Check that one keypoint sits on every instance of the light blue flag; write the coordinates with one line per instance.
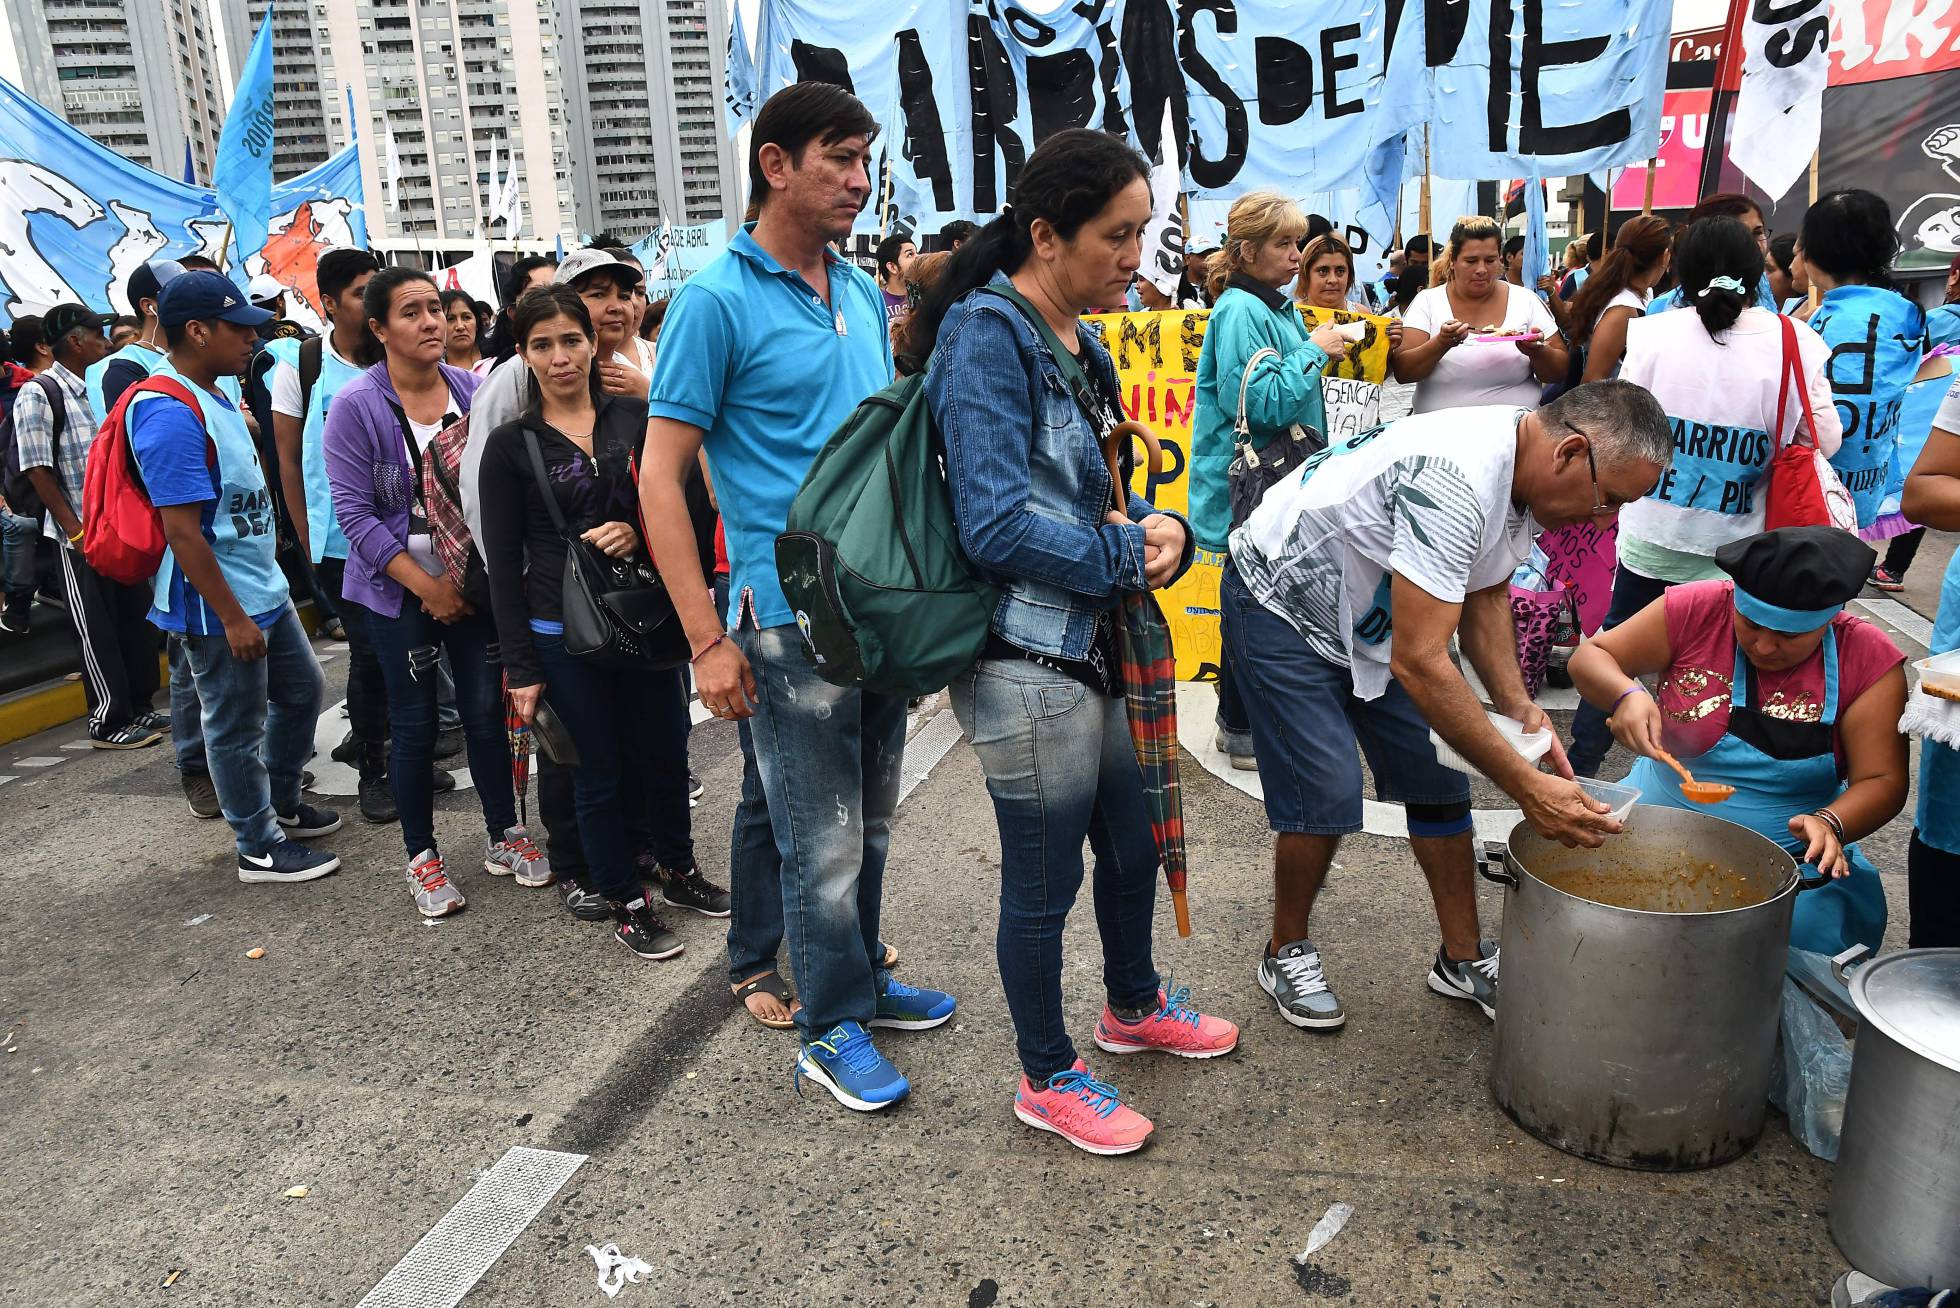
(1537, 249)
(740, 87)
(243, 177)
(190, 168)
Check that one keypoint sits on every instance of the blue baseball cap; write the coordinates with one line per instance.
(200, 295)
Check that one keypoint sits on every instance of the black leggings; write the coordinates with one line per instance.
(1932, 896)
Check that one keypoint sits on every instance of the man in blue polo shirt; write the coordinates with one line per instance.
(219, 589)
(763, 354)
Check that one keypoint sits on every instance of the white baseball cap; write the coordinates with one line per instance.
(265, 288)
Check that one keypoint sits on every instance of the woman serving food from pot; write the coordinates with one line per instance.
(1767, 685)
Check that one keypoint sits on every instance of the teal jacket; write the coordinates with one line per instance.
(1248, 317)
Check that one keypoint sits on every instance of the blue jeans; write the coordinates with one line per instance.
(829, 760)
(186, 716)
(630, 727)
(755, 869)
(1061, 768)
(407, 648)
(258, 725)
(1591, 737)
(19, 539)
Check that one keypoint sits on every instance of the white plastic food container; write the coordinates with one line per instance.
(1622, 798)
(1534, 745)
(1939, 676)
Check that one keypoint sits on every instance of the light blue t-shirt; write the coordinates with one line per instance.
(1765, 299)
(172, 454)
(148, 361)
(752, 355)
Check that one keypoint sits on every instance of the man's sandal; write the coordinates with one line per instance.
(769, 983)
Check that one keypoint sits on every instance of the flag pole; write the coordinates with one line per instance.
(1647, 202)
(1427, 232)
(1816, 296)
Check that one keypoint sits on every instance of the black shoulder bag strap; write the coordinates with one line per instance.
(311, 360)
(536, 452)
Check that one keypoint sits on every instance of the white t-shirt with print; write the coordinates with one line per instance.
(1471, 373)
(1428, 497)
(286, 390)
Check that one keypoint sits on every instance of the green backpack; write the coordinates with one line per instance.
(870, 556)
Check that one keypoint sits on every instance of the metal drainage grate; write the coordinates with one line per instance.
(470, 1237)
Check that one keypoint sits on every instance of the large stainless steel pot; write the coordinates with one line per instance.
(1895, 1201)
(1642, 1036)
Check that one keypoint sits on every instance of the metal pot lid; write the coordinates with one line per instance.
(1914, 997)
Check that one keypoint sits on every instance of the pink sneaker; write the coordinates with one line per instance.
(1175, 1028)
(1083, 1111)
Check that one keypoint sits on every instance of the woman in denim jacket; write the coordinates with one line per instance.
(1044, 705)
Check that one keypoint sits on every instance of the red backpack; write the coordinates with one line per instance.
(122, 533)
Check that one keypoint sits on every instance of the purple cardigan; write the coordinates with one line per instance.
(367, 467)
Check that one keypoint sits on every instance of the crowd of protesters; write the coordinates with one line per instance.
(448, 485)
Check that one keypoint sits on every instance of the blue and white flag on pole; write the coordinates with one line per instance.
(243, 176)
(1537, 249)
(739, 90)
(190, 166)
(76, 218)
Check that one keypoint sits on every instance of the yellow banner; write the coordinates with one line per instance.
(1156, 358)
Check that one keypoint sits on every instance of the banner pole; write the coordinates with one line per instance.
(1647, 203)
(1426, 230)
(1816, 296)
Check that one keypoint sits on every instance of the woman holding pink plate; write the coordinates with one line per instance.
(1440, 351)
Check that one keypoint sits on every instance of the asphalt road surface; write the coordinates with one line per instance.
(163, 1092)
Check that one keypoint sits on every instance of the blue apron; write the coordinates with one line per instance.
(1938, 815)
(1768, 793)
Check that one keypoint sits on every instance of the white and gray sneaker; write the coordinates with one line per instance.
(516, 856)
(1475, 980)
(429, 885)
(1299, 988)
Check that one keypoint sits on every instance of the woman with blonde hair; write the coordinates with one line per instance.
(1473, 338)
(1251, 315)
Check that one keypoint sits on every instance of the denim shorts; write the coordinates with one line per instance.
(1306, 724)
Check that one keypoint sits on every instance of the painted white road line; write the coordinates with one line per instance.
(469, 1238)
(1902, 619)
(1197, 702)
(925, 750)
(76, 746)
(5, 780)
(40, 761)
(338, 779)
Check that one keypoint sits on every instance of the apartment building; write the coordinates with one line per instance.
(140, 76)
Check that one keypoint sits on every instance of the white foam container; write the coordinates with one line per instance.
(1533, 745)
(1941, 671)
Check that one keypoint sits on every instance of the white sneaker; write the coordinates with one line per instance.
(429, 886)
(516, 856)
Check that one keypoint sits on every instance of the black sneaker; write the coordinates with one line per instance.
(641, 930)
(15, 623)
(694, 790)
(286, 861)
(201, 795)
(348, 751)
(129, 737)
(1474, 979)
(154, 719)
(377, 800)
(583, 904)
(687, 888)
(449, 743)
(306, 822)
(443, 781)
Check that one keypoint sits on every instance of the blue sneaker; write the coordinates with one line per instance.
(908, 1008)
(845, 1062)
(287, 861)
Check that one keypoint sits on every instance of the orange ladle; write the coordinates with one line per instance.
(1696, 792)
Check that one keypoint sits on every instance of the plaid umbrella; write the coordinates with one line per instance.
(520, 753)
(1150, 687)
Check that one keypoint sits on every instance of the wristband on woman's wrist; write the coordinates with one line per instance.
(709, 646)
(1831, 820)
(1621, 697)
(76, 539)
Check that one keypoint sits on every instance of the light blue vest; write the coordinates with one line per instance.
(240, 526)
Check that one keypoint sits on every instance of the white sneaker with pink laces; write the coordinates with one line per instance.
(1175, 1028)
(1083, 1111)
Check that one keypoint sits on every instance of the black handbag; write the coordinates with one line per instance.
(1253, 472)
(613, 609)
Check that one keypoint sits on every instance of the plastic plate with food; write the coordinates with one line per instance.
(1505, 335)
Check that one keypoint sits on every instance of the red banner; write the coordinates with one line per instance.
(1871, 40)
(1677, 178)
